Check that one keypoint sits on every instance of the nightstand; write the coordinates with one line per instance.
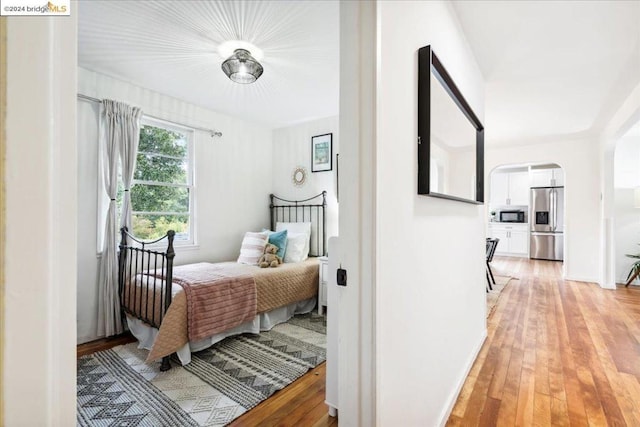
(322, 283)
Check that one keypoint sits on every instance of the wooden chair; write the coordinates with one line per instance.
(492, 244)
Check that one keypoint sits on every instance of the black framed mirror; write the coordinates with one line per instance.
(450, 136)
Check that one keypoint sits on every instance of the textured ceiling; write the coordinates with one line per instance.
(171, 47)
(552, 68)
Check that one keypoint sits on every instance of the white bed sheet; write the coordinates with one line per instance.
(146, 334)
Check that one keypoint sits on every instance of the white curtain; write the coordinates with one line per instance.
(120, 132)
(128, 155)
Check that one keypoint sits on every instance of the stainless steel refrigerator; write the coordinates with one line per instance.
(547, 223)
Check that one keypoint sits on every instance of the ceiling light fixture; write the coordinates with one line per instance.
(241, 67)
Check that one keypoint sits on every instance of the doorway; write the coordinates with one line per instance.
(626, 182)
(526, 210)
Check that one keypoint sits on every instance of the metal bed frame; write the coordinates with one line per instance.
(135, 257)
(304, 211)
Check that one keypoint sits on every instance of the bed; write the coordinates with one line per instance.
(187, 308)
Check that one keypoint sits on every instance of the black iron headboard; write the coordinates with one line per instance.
(308, 210)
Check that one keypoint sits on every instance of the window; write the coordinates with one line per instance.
(162, 189)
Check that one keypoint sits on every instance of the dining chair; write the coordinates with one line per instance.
(492, 244)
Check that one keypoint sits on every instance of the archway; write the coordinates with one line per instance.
(526, 210)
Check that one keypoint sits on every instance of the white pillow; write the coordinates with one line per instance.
(296, 228)
(252, 247)
(297, 244)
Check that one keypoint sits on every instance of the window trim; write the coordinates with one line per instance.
(189, 134)
(102, 201)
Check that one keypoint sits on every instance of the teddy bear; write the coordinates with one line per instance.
(270, 259)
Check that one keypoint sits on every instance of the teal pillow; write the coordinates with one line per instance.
(279, 239)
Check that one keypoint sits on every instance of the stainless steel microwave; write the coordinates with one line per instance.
(511, 216)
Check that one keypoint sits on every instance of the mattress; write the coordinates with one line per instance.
(277, 287)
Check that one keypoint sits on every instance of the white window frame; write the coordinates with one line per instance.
(189, 134)
(103, 201)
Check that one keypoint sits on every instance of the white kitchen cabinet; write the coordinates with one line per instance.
(558, 177)
(519, 188)
(550, 177)
(499, 191)
(519, 242)
(503, 239)
(514, 239)
(509, 188)
(322, 283)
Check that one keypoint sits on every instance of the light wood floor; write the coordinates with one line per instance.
(104, 344)
(557, 353)
(299, 404)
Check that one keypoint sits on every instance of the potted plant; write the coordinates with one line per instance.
(635, 269)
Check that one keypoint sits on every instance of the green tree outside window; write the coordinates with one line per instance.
(161, 192)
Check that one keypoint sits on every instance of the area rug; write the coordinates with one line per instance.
(116, 387)
(494, 295)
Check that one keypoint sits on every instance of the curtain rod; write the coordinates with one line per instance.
(212, 133)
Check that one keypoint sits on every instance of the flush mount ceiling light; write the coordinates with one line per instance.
(226, 49)
(241, 67)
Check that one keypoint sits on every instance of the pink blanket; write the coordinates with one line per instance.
(275, 287)
(217, 298)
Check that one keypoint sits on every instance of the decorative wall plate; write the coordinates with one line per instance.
(299, 176)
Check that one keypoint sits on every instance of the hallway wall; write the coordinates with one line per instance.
(430, 312)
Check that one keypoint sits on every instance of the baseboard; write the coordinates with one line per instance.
(624, 284)
(581, 279)
(623, 281)
(444, 417)
(86, 339)
(607, 285)
(507, 254)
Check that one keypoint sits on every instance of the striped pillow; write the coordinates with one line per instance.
(252, 247)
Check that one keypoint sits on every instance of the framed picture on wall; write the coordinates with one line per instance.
(321, 152)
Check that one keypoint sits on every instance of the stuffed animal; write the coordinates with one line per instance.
(270, 259)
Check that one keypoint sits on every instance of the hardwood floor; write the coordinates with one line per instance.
(299, 404)
(104, 344)
(557, 353)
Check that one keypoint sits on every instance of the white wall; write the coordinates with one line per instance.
(580, 161)
(87, 167)
(627, 216)
(627, 232)
(39, 360)
(233, 180)
(430, 311)
(292, 148)
(626, 173)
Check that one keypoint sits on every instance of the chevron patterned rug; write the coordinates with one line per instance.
(116, 387)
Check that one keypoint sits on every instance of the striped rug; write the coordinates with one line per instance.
(116, 387)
